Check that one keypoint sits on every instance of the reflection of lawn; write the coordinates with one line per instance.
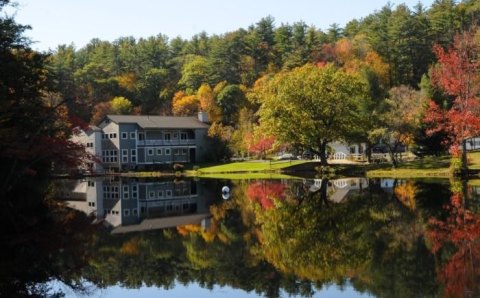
(249, 167)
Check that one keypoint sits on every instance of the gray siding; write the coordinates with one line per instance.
(201, 144)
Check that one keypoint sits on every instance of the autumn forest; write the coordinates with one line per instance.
(401, 76)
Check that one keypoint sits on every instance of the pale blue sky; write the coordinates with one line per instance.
(57, 22)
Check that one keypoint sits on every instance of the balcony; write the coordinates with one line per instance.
(166, 142)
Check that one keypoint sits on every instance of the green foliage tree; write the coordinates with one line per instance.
(230, 100)
(194, 72)
(310, 106)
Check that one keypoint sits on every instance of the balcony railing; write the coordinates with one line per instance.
(166, 142)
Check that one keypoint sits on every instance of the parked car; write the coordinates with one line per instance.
(286, 156)
(307, 155)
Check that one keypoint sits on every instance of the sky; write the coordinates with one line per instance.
(56, 22)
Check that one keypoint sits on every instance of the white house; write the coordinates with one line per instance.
(91, 138)
(344, 151)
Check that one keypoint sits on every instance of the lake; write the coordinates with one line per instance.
(349, 237)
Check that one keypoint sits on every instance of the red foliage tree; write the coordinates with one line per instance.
(458, 75)
(259, 146)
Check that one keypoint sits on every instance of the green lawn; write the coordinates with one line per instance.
(243, 176)
(432, 166)
(248, 167)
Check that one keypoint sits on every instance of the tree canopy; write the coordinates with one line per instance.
(312, 106)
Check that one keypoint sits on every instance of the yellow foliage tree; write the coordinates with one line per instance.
(127, 81)
(208, 104)
(121, 105)
(184, 105)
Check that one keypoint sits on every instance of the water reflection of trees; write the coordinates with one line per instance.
(42, 241)
(455, 240)
(268, 238)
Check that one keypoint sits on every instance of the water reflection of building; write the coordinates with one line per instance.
(128, 205)
(338, 189)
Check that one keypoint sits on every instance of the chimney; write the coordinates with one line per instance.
(203, 117)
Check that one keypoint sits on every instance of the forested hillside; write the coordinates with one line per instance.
(390, 50)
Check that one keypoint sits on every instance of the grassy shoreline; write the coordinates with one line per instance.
(428, 167)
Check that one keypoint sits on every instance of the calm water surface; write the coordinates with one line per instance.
(349, 237)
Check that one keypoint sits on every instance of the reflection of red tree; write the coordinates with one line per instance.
(461, 272)
(266, 192)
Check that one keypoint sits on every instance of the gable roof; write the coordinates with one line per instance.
(159, 121)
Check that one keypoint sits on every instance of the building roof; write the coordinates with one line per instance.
(159, 121)
(162, 223)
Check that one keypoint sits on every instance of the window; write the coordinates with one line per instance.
(151, 195)
(91, 204)
(126, 212)
(141, 136)
(124, 135)
(159, 151)
(110, 192)
(125, 192)
(133, 155)
(176, 151)
(113, 136)
(125, 155)
(109, 156)
(183, 136)
(168, 193)
(134, 191)
(132, 135)
(175, 135)
(160, 193)
(89, 145)
(149, 151)
(167, 136)
(184, 151)
(167, 151)
(134, 211)
(91, 183)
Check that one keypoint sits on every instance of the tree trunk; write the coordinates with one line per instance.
(393, 156)
(368, 152)
(464, 165)
(323, 153)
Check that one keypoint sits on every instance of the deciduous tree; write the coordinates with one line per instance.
(121, 105)
(310, 106)
(458, 75)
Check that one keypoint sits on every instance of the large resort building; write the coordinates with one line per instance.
(130, 142)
